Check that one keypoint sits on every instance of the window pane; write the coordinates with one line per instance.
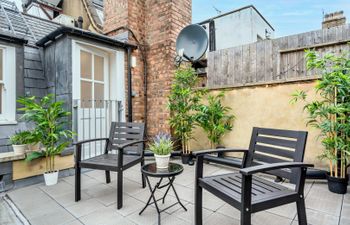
(98, 75)
(86, 94)
(85, 64)
(99, 95)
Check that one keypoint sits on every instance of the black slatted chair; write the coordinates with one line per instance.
(128, 141)
(273, 151)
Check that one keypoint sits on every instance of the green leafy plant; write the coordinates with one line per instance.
(215, 119)
(51, 124)
(331, 114)
(20, 138)
(182, 102)
(162, 144)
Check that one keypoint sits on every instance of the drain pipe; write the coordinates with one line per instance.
(129, 87)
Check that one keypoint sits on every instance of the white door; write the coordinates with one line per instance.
(98, 92)
(93, 104)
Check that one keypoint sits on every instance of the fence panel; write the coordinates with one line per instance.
(273, 60)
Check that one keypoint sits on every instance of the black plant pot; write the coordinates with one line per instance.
(185, 158)
(337, 185)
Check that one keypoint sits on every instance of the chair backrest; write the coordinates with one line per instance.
(123, 132)
(274, 146)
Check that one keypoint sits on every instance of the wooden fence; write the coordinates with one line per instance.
(274, 60)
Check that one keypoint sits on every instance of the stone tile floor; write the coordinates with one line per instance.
(55, 205)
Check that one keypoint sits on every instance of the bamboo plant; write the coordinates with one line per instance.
(331, 114)
(182, 102)
(51, 122)
(215, 119)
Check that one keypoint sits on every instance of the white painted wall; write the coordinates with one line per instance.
(239, 28)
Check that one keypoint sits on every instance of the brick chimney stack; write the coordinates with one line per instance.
(156, 24)
(333, 20)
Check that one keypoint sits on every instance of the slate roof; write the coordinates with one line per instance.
(96, 11)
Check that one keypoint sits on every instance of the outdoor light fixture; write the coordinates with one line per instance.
(133, 61)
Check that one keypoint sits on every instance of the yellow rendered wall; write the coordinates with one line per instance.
(266, 106)
(75, 9)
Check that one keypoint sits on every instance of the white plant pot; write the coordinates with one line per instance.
(51, 178)
(162, 161)
(19, 149)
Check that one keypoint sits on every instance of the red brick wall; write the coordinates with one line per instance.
(156, 23)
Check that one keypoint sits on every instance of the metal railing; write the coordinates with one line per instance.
(92, 119)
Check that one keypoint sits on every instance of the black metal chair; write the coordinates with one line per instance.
(273, 151)
(128, 140)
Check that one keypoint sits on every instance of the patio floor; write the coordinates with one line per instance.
(55, 205)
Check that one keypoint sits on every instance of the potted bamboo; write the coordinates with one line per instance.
(162, 147)
(215, 119)
(51, 122)
(182, 102)
(331, 114)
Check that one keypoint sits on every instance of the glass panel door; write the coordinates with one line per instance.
(94, 94)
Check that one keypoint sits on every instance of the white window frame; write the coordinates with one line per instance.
(8, 114)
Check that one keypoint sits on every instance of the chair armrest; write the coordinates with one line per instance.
(220, 150)
(90, 140)
(122, 146)
(274, 166)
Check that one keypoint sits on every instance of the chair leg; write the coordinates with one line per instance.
(142, 176)
(108, 176)
(301, 212)
(245, 218)
(77, 183)
(198, 205)
(120, 189)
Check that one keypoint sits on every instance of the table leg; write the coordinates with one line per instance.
(177, 197)
(152, 194)
(171, 180)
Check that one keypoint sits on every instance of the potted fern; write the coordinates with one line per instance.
(51, 122)
(162, 147)
(331, 114)
(182, 102)
(215, 119)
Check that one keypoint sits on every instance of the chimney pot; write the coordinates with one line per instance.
(333, 19)
(80, 22)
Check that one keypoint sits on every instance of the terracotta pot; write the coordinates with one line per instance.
(33, 147)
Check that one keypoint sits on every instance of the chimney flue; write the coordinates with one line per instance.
(80, 22)
(333, 19)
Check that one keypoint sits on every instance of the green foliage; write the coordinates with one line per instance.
(182, 102)
(214, 118)
(51, 122)
(331, 114)
(20, 138)
(162, 144)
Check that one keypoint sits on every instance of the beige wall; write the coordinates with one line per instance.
(75, 9)
(266, 106)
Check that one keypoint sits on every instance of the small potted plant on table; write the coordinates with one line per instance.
(331, 114)
(51, 124)
(162, 147)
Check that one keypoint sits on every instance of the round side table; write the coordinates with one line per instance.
(151, 170)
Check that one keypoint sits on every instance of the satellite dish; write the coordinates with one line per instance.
(192, 43)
